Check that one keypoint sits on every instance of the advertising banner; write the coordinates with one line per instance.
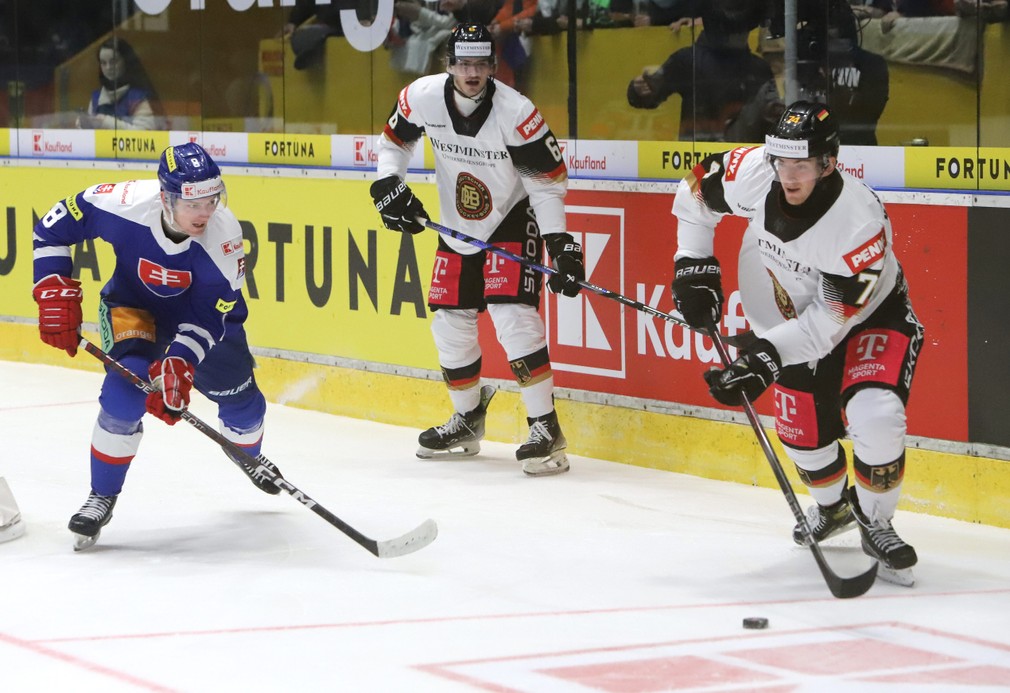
(324, 278)
(958, 168)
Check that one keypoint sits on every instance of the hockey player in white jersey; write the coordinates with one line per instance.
(826, 296)
(173, 308)
(501, 179)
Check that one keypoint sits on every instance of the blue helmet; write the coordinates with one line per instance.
(188, 172)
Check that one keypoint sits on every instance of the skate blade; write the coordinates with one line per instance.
(902, 577)
(457, 452)
(83, 542)
(556, 463)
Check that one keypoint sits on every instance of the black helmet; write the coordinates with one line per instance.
(806, 129)
(470, 41)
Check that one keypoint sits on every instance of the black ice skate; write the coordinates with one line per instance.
(460, 436)
(881, 542)
(826, 521)
(543, 454)
(262, 474)
(88, 522)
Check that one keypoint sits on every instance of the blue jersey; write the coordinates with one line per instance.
(192, 289)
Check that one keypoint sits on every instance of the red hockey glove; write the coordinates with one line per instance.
(59, 300)
(173, 379)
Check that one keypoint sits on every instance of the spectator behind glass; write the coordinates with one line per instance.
(512, 45)
(419, 31)
(715, 77)
(832, 68)
(552, 17)
(126, 99)
(308, 38)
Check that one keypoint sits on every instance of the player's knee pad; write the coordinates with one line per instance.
(455, 333)
(120, 399)
(876, 425)
(519, 327)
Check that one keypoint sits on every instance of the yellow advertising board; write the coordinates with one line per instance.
(674, 160)
(5, 142)
(143, 145)
(322, 275)
(290, 150)
(958, 168)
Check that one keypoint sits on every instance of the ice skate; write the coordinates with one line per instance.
(87, 523)
(826, 521)
(261, 474)
(543, 454)
(881, 542)
(460, 436)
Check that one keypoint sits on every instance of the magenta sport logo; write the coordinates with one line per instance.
(587, 334)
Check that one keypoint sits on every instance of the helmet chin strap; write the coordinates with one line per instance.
(476, 98)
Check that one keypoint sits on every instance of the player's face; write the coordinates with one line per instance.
(800, 176)
(470, 75)
(191, 216)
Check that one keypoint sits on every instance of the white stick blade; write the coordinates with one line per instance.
(410, 542)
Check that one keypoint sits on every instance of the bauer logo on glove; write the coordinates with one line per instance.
(397, 205)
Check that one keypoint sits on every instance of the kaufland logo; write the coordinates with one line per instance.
(364, 155)
(586, 334)
(44, 147)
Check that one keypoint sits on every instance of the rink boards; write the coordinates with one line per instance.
(339, 323)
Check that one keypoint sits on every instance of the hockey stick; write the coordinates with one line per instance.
(843, 588)
(620, 298)
(412, 541)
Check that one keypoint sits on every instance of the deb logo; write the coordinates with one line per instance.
(163, 281)
(363, 153)
(586, 334)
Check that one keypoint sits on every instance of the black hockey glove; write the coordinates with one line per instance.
(567, 257)
(397, 205)
(751, 374)
(697, 291)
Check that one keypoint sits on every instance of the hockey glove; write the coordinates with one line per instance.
(60, 317)
(568, 261)
(697, 291)
(397, 205)
(751, 374)
(172, 378)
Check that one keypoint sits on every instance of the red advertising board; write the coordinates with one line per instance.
(629, 238)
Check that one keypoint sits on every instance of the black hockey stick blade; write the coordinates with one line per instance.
(412, 541)
(840, 587)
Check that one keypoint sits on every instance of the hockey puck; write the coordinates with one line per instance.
(755, 622)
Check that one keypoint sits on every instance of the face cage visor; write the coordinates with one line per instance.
(205, 196)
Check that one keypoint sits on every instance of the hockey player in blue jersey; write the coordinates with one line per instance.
(173, 308)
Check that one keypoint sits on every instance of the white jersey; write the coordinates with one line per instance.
(485, 163)
(826, 264)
